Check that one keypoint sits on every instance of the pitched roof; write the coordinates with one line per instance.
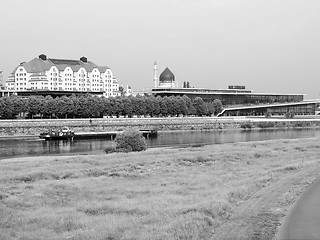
(37, 65)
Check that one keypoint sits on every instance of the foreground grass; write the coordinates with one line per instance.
(229, 191)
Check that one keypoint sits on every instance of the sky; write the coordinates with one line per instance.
(270, 46)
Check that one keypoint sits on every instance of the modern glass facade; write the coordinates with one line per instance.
(229, 96)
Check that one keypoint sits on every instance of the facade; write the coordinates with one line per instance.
(62, 75)
(233, 95)
(298, 108)
(229, 96)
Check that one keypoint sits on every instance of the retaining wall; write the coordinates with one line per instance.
(36, 126)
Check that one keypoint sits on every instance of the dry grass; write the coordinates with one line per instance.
(229, 191)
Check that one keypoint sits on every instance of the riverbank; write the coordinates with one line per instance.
(229, 191)
(21, 128)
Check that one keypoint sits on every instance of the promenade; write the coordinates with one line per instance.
(303, 221)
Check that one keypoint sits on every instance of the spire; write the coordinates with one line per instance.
(155, 74)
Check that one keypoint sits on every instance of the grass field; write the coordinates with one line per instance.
(228, 191)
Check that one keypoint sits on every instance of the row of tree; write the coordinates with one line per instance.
(86, 106)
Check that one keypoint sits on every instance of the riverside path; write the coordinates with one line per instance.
(303, 221)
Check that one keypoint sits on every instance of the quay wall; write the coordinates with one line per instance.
(33, 127)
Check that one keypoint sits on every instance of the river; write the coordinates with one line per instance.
(35, 147)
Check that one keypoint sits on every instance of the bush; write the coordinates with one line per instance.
(131, 140)
(109, 149)
(246, 125)
(266, 124)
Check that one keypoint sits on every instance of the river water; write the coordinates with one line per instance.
(36, 147)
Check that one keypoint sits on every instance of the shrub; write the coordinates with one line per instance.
(131, 140)
(266, 124)
(246, 125)
(109, 149)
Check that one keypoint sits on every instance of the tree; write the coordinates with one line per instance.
(118, 106)
(163, 101)
(75, 106)
(95, 106)
(217, 105)
(127, 107)
(199, 106)
(150, 105)
(172, 106)
(64, 106)
(182, 106)
(6, 108)
(49, 106)
(209, 108)
(139, 106)
(34, 105)
(83, 110)
(188, 104)
(19, 105)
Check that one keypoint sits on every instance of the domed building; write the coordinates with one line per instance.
(167, 79)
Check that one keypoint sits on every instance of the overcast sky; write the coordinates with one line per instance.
(266, 45)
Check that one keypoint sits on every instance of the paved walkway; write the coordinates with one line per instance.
(303, 221)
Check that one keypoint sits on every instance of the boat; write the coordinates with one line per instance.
(66, 134)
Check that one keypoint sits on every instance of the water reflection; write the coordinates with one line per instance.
(33, 147)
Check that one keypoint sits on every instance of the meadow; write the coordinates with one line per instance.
(227, 191)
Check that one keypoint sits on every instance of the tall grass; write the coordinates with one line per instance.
(187, 193)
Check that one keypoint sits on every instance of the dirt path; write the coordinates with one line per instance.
(303, 220)
(261, 216)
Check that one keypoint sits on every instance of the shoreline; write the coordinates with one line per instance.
(29, 137)
(19, 129)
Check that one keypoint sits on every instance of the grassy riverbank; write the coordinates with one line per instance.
(228, 191)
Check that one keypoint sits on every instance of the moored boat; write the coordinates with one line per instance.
(66, 134)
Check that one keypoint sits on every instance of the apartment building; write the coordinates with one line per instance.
(50, 74)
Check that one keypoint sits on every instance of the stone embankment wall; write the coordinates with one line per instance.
(36, 126)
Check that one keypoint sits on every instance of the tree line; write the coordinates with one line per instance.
(88, 106)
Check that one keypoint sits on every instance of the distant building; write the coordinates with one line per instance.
(51, 75)
(128, 91)
(166, 78)
(236, 99)
(3, 91)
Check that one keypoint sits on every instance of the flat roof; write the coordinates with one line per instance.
(205, 91)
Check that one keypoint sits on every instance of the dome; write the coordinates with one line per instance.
(166, 76)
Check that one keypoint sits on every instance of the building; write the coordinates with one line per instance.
(49, 75)
(237, 101)
(166, 78)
